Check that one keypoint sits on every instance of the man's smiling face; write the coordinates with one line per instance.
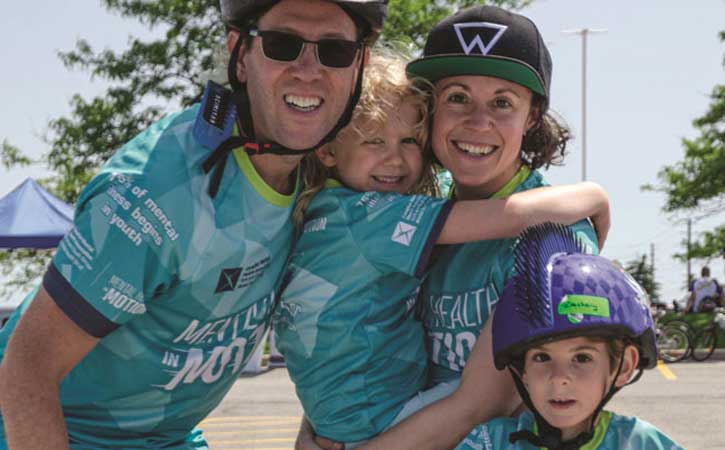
(297, 103)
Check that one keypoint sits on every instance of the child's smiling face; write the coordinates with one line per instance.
(379, 157)
(567, 379)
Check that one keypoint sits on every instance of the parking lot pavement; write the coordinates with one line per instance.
(262, 411)
(690, 408)
(251, 432)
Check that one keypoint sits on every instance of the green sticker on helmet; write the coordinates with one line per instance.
(575, 307)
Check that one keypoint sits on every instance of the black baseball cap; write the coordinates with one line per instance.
(490, 41)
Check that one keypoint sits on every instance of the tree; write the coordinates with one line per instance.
(645, 276)
(151, 78)
(696, 185)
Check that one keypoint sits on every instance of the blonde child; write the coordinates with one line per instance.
(346, 320)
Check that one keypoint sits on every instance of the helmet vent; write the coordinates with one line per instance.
(537, 247)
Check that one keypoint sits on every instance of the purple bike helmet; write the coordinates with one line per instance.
(559, 291)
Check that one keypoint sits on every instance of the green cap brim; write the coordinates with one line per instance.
(436, 67)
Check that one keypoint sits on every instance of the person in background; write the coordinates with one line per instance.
(705, 293)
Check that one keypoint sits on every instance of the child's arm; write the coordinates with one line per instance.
(476, 220)
(484, 393)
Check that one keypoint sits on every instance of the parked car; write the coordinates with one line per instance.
(5, 312)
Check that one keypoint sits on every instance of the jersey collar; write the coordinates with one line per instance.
(333, 183)
(605, 418)
(521, 176)
(259, 185)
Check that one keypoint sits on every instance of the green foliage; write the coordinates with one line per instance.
(410, 20)
(153, 77)
(644, 274)
(10, 156)
(707, 248)
(696, 185)
(21, 268)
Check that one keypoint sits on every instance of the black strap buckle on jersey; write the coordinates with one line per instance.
(214, 127)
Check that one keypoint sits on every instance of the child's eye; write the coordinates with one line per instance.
(540, 357)
(582, 358)
(373, 141)
(409, 140)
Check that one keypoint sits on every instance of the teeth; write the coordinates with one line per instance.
(476, 149)
(387, 179)
(307, 103)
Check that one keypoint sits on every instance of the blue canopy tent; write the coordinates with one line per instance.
(30, 217)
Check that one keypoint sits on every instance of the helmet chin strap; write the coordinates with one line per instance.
(240, 99)
(549, 436)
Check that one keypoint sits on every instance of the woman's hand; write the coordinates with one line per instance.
(306, 439)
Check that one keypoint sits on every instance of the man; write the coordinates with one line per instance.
(157, 297)
(705, 293)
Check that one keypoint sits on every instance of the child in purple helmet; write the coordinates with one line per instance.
(573, 329)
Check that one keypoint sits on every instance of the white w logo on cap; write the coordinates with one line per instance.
(477, 40)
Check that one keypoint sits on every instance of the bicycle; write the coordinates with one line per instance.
(673, 339)
(703, 346)
(680, 340)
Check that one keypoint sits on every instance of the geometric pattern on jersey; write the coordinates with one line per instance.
(613, 432)
(179, 286)
(346, 322)
(465, 283)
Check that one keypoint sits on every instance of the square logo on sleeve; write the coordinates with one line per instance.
(403, 233)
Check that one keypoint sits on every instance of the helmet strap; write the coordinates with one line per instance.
(549, 436)
(240, 99)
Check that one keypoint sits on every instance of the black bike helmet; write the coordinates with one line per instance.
(235, 13)
(372, 12)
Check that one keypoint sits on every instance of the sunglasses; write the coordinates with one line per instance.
(287, 47)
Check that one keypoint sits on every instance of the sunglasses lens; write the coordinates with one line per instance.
(287, 47)
(336, 52)
(281, 46)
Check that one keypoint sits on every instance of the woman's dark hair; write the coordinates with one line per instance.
(545, 143)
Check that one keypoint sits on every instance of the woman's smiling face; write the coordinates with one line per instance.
(478, 126)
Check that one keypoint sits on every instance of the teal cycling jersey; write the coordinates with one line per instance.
(178, 286)
(464, 285)
(613, 432)
(346, 321)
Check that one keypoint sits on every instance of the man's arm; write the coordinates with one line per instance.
(43, 348)
(484, 393)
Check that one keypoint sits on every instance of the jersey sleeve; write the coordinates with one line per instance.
(117, 255)
(396, 233)
(588, 237)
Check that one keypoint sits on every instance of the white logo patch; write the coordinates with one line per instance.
(403, 233)
(478, 41)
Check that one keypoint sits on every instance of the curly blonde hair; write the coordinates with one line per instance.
(385, 86)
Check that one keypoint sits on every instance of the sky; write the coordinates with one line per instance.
(648, 77)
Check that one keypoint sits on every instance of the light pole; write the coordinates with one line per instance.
(584, 32)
